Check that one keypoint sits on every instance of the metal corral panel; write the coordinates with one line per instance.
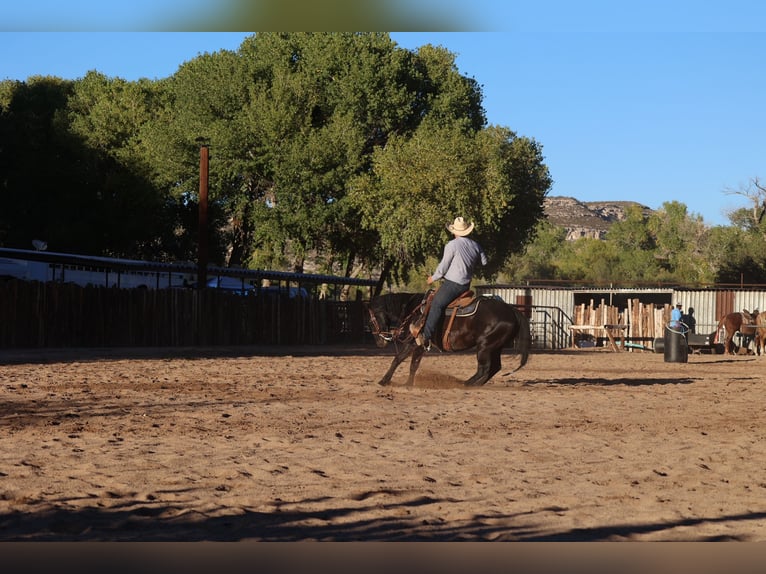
(549, 311)
(710, 306)
(541, 296)
(704, 304)
(750, 300)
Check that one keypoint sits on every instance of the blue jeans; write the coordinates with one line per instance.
(447, 293)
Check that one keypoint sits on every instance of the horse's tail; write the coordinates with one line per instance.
(716, 339)
(524, 338)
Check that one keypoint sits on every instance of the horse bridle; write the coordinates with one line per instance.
(376, 332)
(389, 335)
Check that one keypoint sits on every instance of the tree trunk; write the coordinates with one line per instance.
(385, 272)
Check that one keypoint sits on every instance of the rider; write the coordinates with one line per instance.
(675, 316)
(461, 256)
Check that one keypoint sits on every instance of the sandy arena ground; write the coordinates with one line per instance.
(293, 444)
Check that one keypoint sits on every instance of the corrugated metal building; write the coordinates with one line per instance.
(552, 310)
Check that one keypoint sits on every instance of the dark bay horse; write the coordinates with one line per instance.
(743, 323)
(492, 326)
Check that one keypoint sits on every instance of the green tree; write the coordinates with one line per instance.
(636, 247)
(589, 259)
(69, 176)
(751, 218)
(308, 123)
(738, 255)
(633, 232)
(36, 163)
(320, 115)
(289, 117)
(304, 140)
(202, 104)
(541, 253)
(108, 116)
(681, 239)
(419, 184)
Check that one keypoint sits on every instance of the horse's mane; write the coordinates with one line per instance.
(396, 306)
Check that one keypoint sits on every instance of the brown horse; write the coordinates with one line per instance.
(760, 334)
(491, 325)
(741, 322)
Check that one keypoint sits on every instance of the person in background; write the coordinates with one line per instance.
(689, 320)
(675, 316)
(461, 256)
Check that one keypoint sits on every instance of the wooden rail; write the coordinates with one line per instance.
(34, 314)
(612, 332)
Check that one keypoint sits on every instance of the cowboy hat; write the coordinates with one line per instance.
(460, 227)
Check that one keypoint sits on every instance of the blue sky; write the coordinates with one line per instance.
(647, 104)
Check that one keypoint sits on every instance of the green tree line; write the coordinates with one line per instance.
(340, 152)
(667, 246)
(337, 153)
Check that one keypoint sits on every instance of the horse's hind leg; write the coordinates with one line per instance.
(488, 365)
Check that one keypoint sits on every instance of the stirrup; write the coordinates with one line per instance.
(420, 341)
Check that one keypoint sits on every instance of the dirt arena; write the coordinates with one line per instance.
(278, 444)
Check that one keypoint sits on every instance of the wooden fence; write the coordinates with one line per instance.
(644, 322)
(52, 314)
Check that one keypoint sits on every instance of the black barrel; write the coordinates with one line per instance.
(676, 349)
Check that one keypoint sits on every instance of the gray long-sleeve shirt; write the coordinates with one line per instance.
(461, 256)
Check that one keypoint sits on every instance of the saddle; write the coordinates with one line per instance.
(463, 305)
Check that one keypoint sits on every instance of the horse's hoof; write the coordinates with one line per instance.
(384, 383)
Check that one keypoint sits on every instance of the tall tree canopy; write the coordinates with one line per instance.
(338, 150)
(331, 152)
(418, 185)
(305, 139)
(69, 184)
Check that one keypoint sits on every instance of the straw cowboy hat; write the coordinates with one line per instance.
(460, 227)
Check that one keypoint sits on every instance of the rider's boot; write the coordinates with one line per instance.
(417, 325)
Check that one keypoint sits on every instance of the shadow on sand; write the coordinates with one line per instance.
(144, 521)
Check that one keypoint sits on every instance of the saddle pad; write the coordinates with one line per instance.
(469, 309)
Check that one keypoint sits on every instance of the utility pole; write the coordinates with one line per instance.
(202, 241)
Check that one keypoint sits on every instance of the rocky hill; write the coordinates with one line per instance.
(586, 218)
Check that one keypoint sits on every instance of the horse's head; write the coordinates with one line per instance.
(390, 315)
(378, 320)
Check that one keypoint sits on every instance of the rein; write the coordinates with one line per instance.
(395, 334)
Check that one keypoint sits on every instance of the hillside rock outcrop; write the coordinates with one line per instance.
(586, 219)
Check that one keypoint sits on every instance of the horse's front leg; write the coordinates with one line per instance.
(400, 356)
(417, 355)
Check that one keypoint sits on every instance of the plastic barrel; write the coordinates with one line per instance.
(676, 349)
